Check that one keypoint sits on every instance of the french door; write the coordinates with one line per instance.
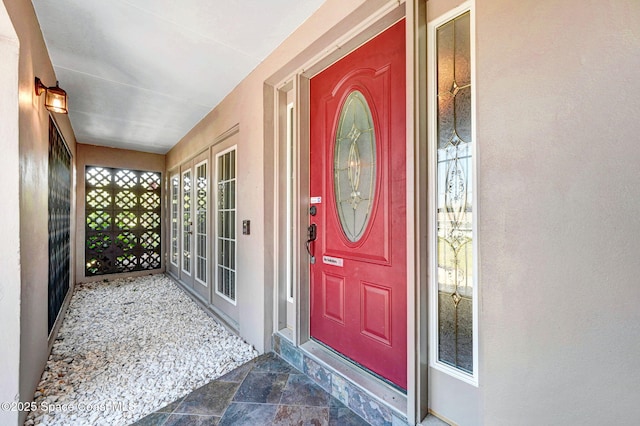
(193, 225)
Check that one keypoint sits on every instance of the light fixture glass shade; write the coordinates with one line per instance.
(56, 100)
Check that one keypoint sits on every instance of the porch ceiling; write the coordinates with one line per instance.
(141, 73)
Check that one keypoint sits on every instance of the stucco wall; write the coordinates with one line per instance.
(10, 231)
(33, 174)
(246, 106)
(91, 155)
(559, 193)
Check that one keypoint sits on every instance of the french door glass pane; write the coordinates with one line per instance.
(186, 222)
(226, 221)
(201, 222)
(175, 203)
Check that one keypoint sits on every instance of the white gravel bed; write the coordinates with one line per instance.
(128, 347)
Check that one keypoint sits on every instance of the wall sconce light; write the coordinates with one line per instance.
(55, 100)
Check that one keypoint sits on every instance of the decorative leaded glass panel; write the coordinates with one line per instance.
(355, 165)
(454, 195)
(122, 220)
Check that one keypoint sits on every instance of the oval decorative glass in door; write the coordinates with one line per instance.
(355, 166)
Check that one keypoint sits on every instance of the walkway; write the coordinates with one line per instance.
(264, 391)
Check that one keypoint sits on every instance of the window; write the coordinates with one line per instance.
(226, 225)
(122, 220)
(201, 222)
(355, 166)
(186, 222)
(175, 204)
(290, 205)
(454, 289)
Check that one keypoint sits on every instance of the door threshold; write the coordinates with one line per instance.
(359, 367)
(365, 381)
(286, 333)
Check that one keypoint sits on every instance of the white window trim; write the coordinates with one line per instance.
(206, 232)
(171, 224)
(235, 251)
(471, 379)
(182, 221)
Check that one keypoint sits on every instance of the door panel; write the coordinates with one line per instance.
(193, 224)
(358, 186)
(225, 292)
(201, 227)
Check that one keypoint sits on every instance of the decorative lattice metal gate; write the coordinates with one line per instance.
(122, 220)
(59, 222)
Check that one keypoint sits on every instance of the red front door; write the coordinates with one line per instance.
(358, 189)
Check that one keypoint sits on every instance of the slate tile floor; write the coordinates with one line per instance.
(264, 391)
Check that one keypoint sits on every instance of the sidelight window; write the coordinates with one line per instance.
(454, 278)
(290, 173)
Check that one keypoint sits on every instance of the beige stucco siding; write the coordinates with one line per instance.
(10, 232)
(558, 156)
(557, 180)
(33, 186)
(245, 106)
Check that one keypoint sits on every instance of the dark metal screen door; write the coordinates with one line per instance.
(59, 222)
(123, 220)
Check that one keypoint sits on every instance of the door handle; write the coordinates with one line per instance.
(312, 234)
